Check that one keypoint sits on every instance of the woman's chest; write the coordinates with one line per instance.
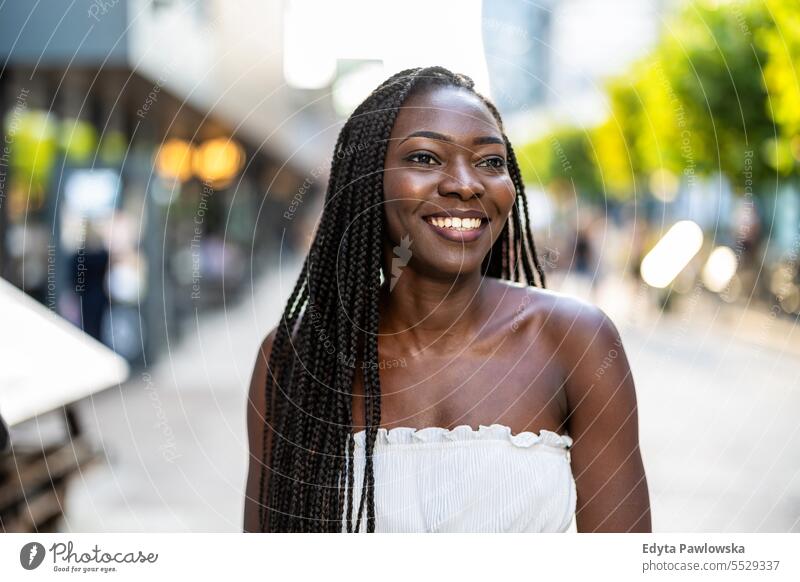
(513, 383)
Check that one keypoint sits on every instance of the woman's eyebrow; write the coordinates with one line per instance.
(482, 140)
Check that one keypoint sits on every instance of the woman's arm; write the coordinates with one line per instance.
(256, 411)
(603, 422)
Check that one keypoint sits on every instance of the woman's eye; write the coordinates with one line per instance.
(495, 163)
(422, 158)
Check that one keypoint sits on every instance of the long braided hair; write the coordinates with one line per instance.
(331, 320)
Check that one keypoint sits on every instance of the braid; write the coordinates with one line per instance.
(530, 260)
(331, 324)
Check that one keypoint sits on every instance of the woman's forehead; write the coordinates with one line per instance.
(447, 110)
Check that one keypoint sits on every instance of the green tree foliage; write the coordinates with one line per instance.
(615, 157)
(781, 43)
(562, 161)
(713, 66)
(719, 93)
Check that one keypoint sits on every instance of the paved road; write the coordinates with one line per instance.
(719, 395)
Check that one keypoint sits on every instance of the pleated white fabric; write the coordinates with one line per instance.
(466, 480)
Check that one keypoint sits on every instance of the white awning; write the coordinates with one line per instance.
(45, 361)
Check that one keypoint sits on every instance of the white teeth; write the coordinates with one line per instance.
(455, 223)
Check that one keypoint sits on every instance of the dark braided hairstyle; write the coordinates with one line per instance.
(331, 321)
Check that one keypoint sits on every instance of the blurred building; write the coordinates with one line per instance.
(151, 150)
(516, 38)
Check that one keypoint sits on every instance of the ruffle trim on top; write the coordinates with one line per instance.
(403, 435)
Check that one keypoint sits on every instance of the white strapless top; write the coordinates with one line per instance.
(466, 480)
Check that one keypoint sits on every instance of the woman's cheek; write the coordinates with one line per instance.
(402, 196)
(506, 191)
(395, 210)
(393, 225)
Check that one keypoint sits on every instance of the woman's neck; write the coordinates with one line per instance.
(421, 313)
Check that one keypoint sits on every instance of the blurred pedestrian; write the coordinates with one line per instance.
(89, 267)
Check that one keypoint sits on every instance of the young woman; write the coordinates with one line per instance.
(419, 344)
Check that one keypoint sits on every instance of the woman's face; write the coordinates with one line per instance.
(446, 165)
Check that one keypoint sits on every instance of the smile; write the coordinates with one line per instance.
(457, 229)
(455, 223)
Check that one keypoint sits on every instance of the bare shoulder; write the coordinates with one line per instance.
(567, 319)
(587, 344)
(578, 334)
(585, 334)
(575, 322)
(258, 380)
(259, 376)
(257, 432)
(257, 401)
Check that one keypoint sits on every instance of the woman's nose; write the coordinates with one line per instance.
(461, 179)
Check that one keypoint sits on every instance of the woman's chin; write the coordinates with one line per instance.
(455, 267)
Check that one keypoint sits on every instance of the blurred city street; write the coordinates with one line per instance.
(176, 442)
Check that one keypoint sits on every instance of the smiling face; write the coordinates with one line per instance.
(446, 185)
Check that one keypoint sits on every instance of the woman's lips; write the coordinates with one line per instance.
(455, 235)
